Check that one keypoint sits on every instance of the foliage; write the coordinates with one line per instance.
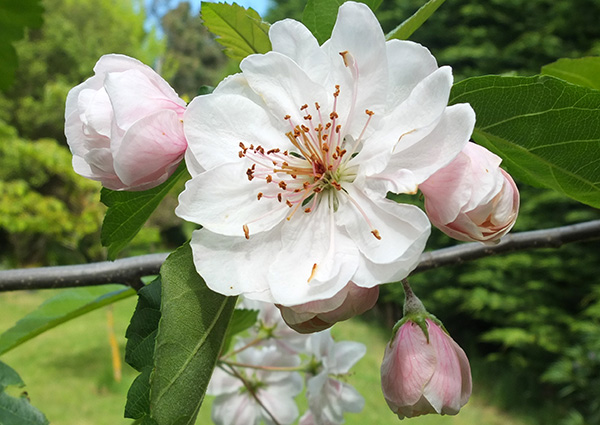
(16, 410)
(191, 49)
(545, 129)
(13, 20)
(408, 27)
(582, 71)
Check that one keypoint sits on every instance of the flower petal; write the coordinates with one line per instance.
(151, 149)
(240, 274)
(225, 202)
(347, 353)
(215, 125)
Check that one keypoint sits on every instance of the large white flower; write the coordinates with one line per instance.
(300, 150)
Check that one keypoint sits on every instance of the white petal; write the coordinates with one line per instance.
(283, 85)
(294, 40)
(223, 383)
(316, 260)
(151, 149)
(235, 409)
(216, 124)
(280, 403)
(347, 353)
(408, 64)
(231, 266)
(350, 399)
(224, 201)
(439, 147)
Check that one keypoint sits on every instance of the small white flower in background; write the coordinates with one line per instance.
(124, 125)
(328, 397)
(300, 151)
(236, 403)
(472, 199)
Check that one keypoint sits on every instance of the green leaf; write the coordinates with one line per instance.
(583, 71)
(190, 337)
(61, 308)
(408, 27)
(242, 320)
(241, 31)
(139, 352)
(14, 17)
(128, 211)
(546, 130)
(319, 16)
(16, 410)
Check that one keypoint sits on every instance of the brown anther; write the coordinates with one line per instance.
(287, 117)
(307, 210)
(246, 231)
(337, 90)
(376, 234)
(260, 195)
(269, 178)
(325, 147)
(293, 176)
(317, 106)
(303, 107)
(283, 185)
(308, 117)
(343, 55)
(369, 113)
(330, 167)
(241, 154)
(285, 164)
(305, 128)
(317, 189)
(285, 153)
(279, 197)
(305, 185)
(276, 150)
(297, 190)
(250, 174)
(338, 128)
(288, 203)
(242, 145)
(312, 273)
(333, 115)
(251, 147)
(336, 185)
(325, 137)
(327, 126)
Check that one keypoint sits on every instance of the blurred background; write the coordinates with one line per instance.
(529, 321)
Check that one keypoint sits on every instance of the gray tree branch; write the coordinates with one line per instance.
(128, 271)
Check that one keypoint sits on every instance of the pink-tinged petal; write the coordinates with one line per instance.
(236, 409)
(241, 274)
(438, 148)
(483, 170)
(408, 64)
(294, 40)
(151, 149)
(421, 407)
(307, 419)
(316, 260)
(408, 365)
(215, 125)
(133, 95)
(223, 201)
(444, 390)
(283, 85)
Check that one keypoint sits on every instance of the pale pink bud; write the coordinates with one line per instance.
(420, 376)
(124, 125)
(472, 198)
(316, 316)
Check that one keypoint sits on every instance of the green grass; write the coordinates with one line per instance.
(69, 376)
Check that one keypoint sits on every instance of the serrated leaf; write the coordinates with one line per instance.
(319, 16)
(189, 341)
(409, 26)
(242, 320)
(61, 308)
(241, 31)
(16, 410)
(14, 17)
(583, 71)
(546, 130)
(128, 211)
(139, 351)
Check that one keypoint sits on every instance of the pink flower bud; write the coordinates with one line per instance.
(472, 198)
(420, 376)
(124, 125)
(316, 316)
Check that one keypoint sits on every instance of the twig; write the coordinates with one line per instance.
(128, 271)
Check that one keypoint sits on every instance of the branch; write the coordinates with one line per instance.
(128, 271)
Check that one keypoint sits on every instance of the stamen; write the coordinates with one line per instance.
(246, 231)
(312, 273)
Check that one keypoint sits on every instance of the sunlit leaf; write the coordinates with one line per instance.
(139, 352)
(319, 16)
(409, 26)
(16, 410)
(241, 31)
(67, 305)
(128, 211)
(546, 130)
(189, 340)
(583, 71)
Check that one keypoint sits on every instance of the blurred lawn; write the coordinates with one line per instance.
(69, 376)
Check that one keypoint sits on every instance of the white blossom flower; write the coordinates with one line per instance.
(328, 397)
(300, 150)
(236, 404)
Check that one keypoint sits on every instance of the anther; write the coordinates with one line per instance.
(282, 185)
(312, 273)
(287, 117)
(260, 195)
(269, 178)
(375, 233)
(279, 197)
(246, 231)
